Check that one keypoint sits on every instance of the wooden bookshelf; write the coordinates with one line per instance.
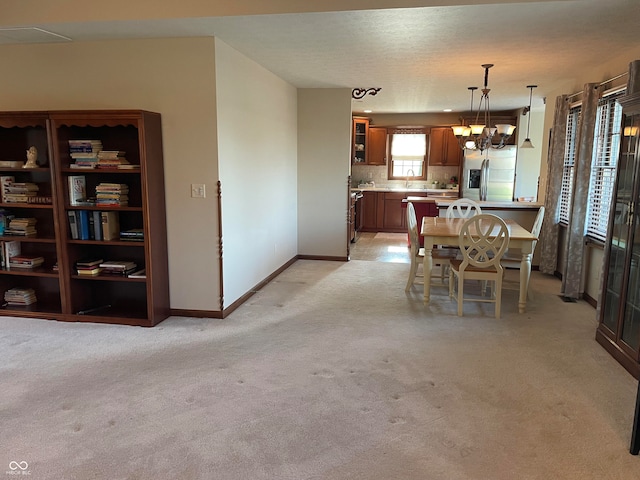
(62, 294)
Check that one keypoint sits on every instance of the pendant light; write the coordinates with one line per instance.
(527, 141)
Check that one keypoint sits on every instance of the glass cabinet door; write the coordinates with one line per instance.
(621, 299)
(630, 331)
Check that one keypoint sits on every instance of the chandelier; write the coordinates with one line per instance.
(480, 135)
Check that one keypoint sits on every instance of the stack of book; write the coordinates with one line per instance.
(25, 261)
(11, 163)
(84, 153)
(118, 267)
(20, 296)
(112, 194)
(22, 227)
(111, 159)
(19, 192)
(89, 266)
(132, 235)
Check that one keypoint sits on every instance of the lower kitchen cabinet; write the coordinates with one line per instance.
(384, 212)
(369, 211)
(394, 218)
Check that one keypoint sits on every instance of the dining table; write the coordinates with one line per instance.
(446, 232)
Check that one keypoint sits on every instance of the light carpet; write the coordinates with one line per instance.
(329, 372)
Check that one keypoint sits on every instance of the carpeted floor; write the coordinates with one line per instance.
(329, 372)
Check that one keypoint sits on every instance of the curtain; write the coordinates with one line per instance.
(572, 273)
(548, 242)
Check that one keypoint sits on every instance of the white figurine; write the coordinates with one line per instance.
(32, 156)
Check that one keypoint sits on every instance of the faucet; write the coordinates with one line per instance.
(413, 174)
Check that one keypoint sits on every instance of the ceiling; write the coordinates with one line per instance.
(423, 58)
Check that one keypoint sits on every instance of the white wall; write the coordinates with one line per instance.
(257, 148)
(174, 77)
(529, 159)
(324, 151)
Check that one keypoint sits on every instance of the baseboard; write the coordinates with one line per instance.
(178, 312)
(590, 300)
(257, 288)
(323, 257)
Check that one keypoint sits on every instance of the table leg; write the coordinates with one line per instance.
(427, 266)
(525, 274)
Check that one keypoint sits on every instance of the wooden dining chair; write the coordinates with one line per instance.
(483, 240)
(463, 208)
(513, 257)
(441, 256)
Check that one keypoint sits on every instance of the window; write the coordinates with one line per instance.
(606, 146)
(568, 170)
(408, 152)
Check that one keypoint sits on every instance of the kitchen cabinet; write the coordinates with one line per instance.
(360, 140)
(384, 211)
(394, 217)
(377, 145)
(369, 203)
(444, 149)
(619, 310)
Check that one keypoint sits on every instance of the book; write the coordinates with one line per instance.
(97, 225)
(25, 261)
(139, 274)
(11, 249)
(132, 235)
(83, 225)
(118, 264)
(89, 262)
(90, 271)
(11, 163)
(73, 224)
(110, 225)
(77, 189)
(5, 180)
(5, 220)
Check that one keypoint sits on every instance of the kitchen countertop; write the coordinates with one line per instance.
(491, 205)
(409, 190)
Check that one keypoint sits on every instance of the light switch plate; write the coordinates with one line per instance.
(198, 190)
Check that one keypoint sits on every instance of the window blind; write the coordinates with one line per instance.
(606, 147)
(568, 169)
(408, 151)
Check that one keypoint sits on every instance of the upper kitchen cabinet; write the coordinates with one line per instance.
(360, 140)
(377, 146)
(443, 147)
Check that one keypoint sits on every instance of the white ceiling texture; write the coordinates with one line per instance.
(423, 58)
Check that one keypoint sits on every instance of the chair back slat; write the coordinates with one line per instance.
(412, 225)
(483, 240)
(463, 208)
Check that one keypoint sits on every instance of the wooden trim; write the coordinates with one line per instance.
(630, 365)
(220, 263)
(323, 257)
(257, 288)
(178, 312)
(590, 300)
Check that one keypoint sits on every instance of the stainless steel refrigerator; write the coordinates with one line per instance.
(489, 175)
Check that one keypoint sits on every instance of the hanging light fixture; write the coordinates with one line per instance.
(480, 136)
(463, 132)
(527, 110)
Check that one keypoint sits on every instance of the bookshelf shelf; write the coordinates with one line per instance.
(35, 272)
(63, 294)
(109, 278)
